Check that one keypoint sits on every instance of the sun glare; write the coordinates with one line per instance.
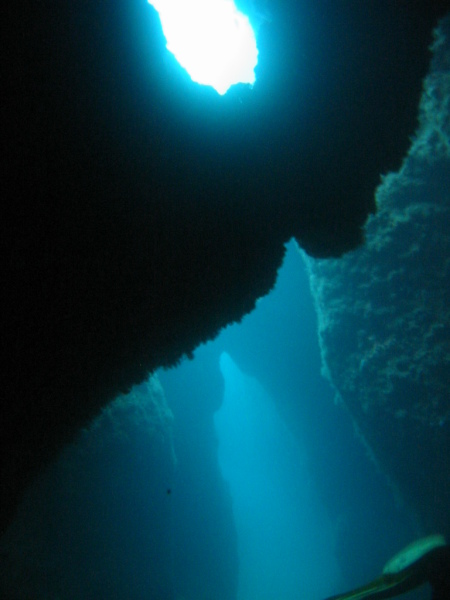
(211, 39)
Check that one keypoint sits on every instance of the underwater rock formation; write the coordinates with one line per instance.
(205, 556)
(135, 508)
(141, 213)
(98, 522)
(384, 313)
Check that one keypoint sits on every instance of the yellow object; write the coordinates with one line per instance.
(413, 552)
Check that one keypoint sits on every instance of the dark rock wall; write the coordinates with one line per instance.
(136, 508)
(141, 213)
(384, 313)
(98, 522)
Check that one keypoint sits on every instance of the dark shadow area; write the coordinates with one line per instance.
(140, 213)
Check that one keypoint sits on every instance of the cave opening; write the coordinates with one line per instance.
(212, 40)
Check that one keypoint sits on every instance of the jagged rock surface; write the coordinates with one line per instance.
(141, 214)
(384, 313)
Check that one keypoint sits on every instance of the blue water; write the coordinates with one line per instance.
(285, 536)
(247, 482)
(313, 514)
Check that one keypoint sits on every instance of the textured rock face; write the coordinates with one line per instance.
(141, 214)
(384, 312)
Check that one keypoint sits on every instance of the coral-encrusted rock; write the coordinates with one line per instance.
(385, 312)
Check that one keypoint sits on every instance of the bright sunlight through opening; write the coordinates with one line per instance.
(211, 39)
